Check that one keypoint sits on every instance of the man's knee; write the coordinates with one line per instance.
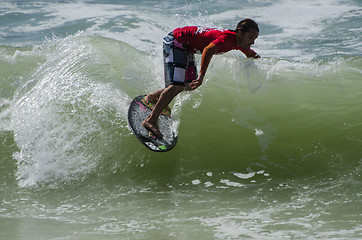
(175, 89)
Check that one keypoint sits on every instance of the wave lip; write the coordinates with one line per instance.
(63, 117)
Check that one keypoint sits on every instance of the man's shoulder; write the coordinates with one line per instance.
(228, 33)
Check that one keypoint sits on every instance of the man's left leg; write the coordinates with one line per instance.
(165, 98)
(153, 97)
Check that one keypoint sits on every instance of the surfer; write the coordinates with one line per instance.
(179, 47)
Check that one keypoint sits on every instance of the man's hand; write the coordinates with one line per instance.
(196, 83)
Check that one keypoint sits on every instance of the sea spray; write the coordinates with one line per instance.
(63, 118)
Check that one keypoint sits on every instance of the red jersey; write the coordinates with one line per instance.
(195, 39)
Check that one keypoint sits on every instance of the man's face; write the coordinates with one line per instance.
(247, 39)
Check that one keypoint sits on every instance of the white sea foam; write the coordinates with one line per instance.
(286, 26)
(57, 117)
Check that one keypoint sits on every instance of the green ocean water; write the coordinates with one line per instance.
(267, 149)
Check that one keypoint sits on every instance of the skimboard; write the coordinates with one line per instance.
(139, 111)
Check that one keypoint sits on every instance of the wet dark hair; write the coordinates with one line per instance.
(246, 24)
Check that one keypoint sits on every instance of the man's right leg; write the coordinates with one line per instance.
(165, 98)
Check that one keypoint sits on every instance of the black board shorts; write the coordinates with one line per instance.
(179, 64)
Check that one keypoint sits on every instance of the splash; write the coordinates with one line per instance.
(64, 119)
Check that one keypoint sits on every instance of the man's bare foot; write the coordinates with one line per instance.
(151, 99)
(152, 127)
